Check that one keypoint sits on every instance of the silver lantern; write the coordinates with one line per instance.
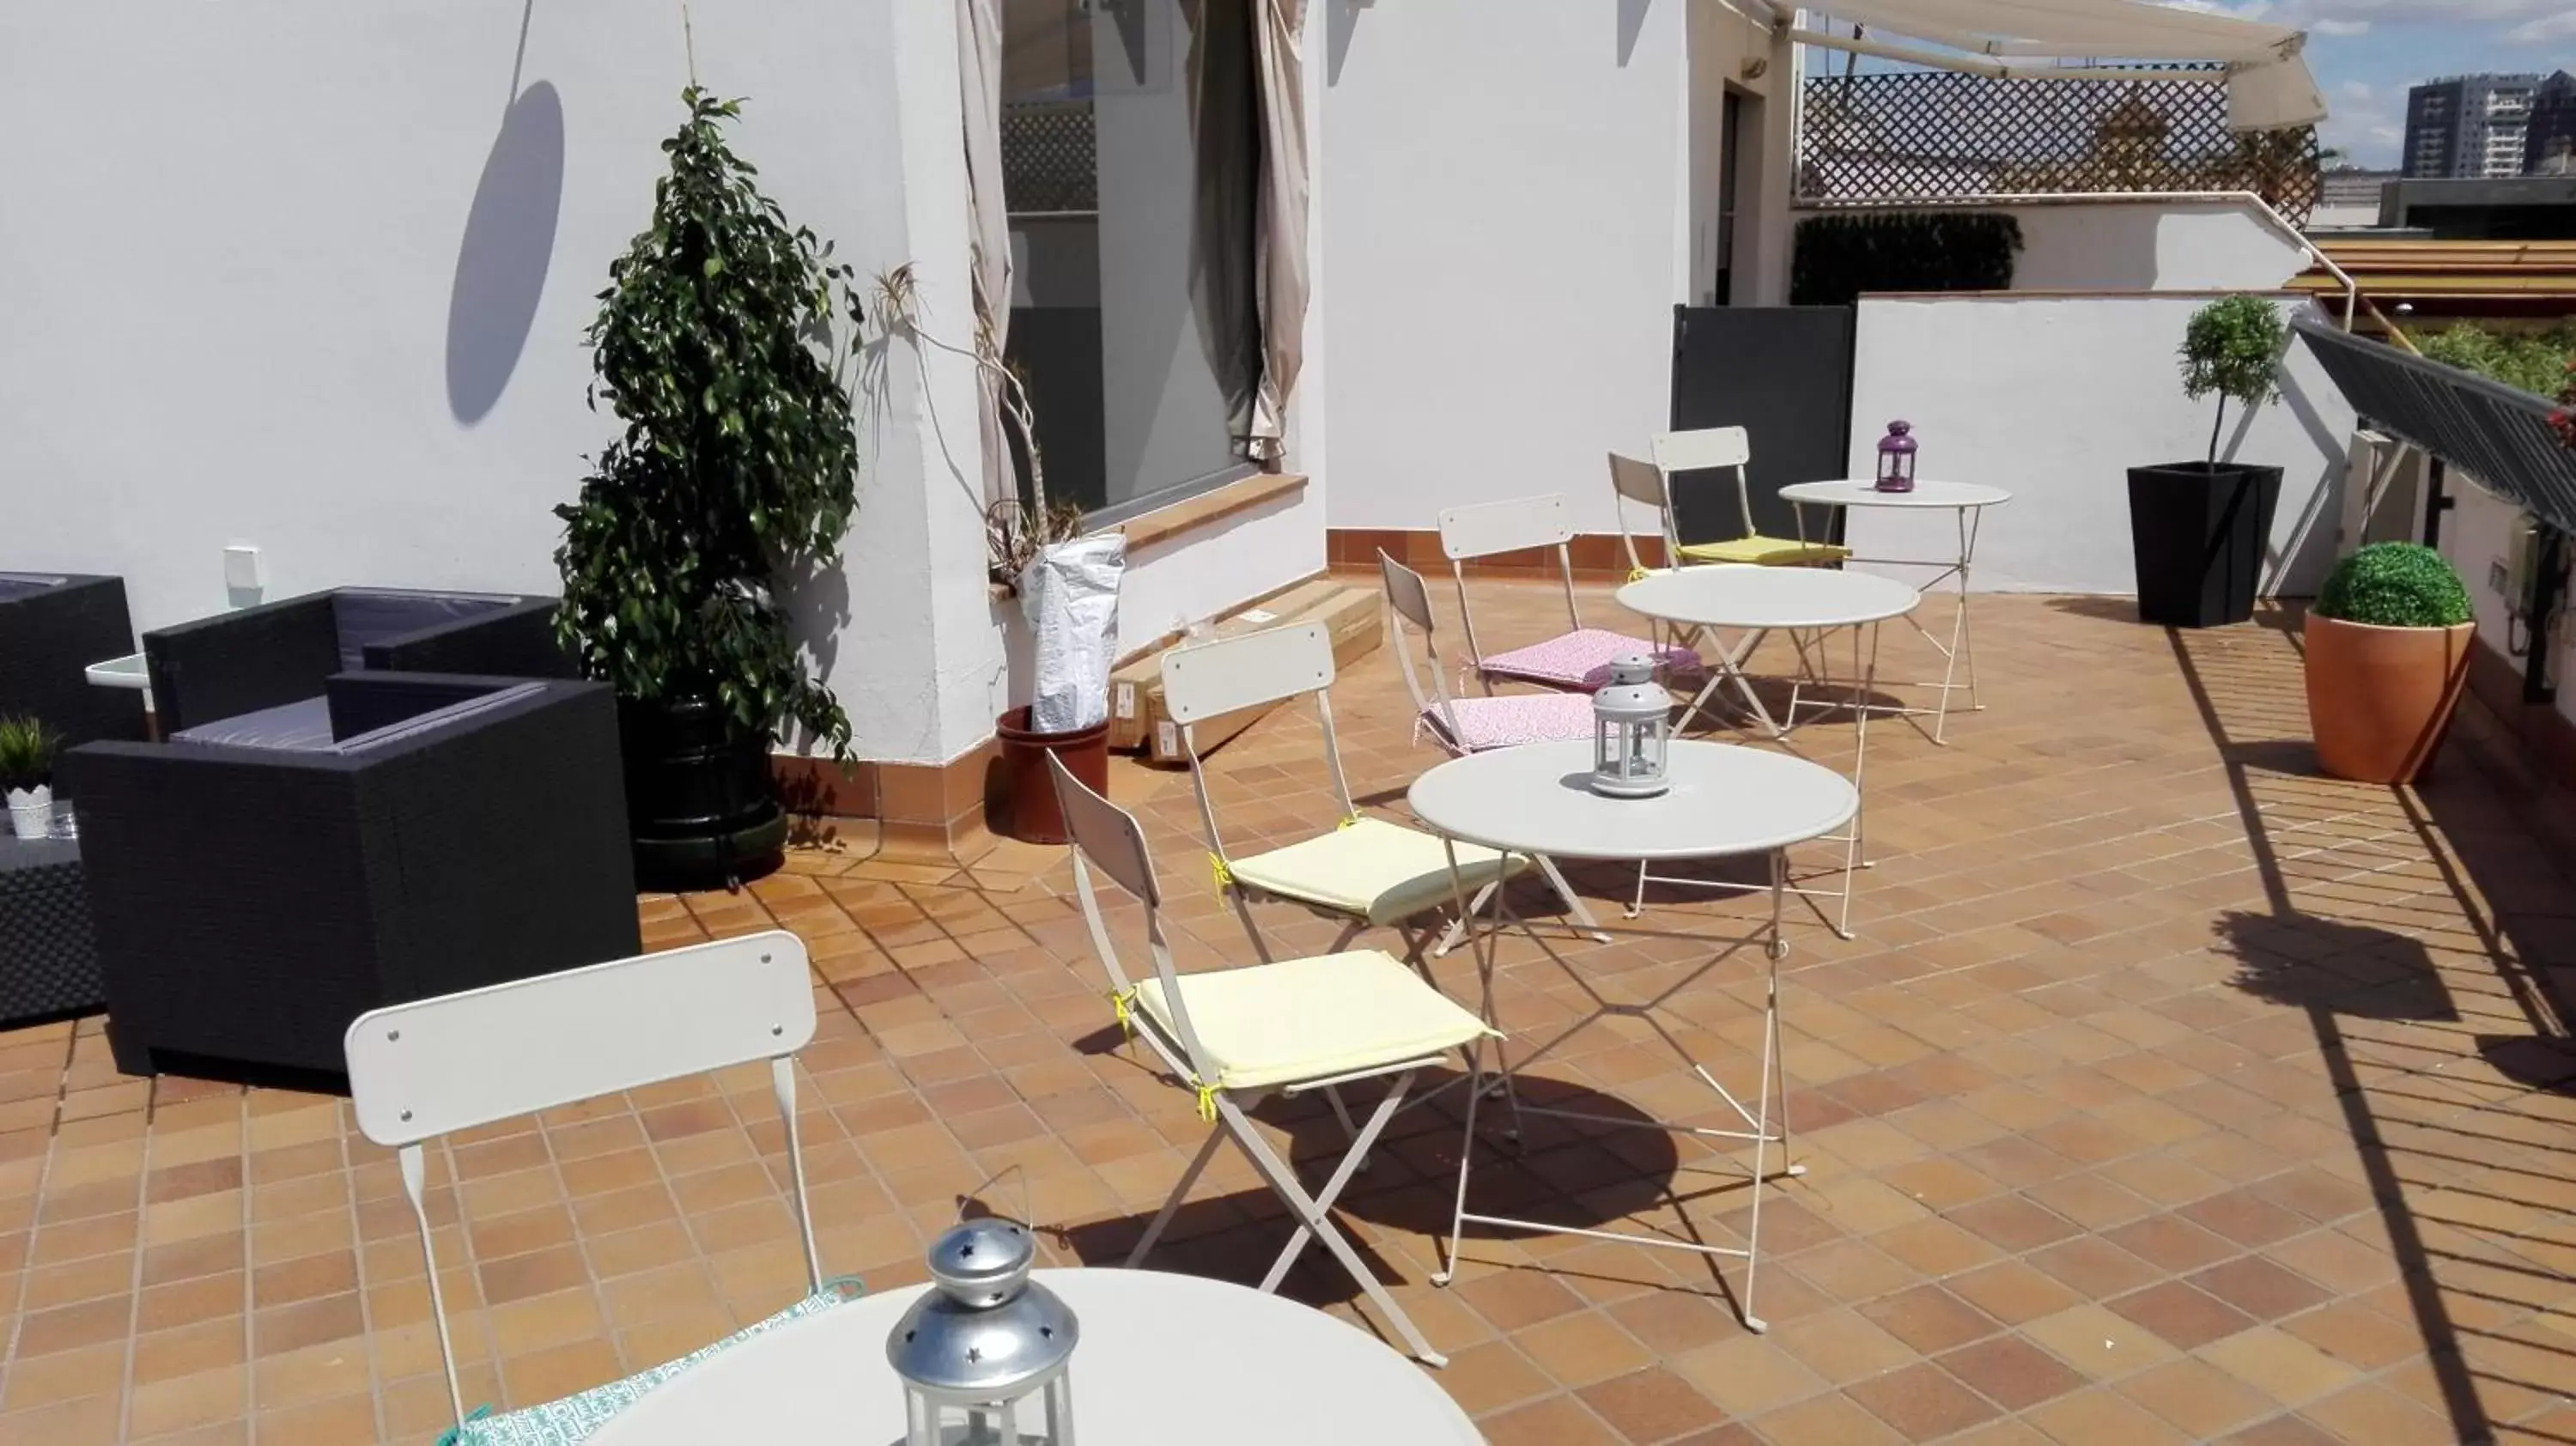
(1631, 730)
(984, 1344)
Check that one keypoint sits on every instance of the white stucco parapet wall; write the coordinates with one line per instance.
(2054, 399)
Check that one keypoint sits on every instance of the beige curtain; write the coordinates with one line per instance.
(979, 77)
(1280, 257)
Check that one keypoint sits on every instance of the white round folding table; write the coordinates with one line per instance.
(1726, 801)
(1968, 502)
(1806, 603)
(1164, 1360)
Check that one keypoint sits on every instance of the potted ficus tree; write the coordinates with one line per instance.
(723, 345)
(2387, 648)
(2197, 530)
(27, 774)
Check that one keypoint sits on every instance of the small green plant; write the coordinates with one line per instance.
(2395, 585)
(2231, 347)
(26, 752)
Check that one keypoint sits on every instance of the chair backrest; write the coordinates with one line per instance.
(1409, 599)
(1273, 665)
(1642, 483)
(1709, 447)
(1108, 838)
(1521, 524)
(1517, 525)
(436, 1066)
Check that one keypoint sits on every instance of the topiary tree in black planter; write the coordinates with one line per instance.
(723, 345)
(2197, 530)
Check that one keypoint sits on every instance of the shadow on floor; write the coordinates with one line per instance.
(2344, 849)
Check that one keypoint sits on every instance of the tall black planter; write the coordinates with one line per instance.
(703, 806)
(2197, 531)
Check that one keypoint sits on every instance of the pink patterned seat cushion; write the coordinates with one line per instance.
(1510, 720)
(1581, 659)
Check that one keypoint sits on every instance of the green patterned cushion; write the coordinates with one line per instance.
(575, 1418)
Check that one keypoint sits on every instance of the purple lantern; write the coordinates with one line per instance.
(1896, 458)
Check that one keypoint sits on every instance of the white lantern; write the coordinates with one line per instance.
(985, 1348)
(1631, 729)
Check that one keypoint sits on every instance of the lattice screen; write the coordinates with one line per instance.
(1894, 136)
(1049, 157)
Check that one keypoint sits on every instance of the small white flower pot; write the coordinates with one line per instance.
(31, 812)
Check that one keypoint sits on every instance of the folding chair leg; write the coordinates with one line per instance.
(1284, 1182)
(1457, 930)
(1172, 1202)
(1341, 1112)
(1573, 900)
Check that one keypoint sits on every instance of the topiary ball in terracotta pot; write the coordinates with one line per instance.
(2387, 648)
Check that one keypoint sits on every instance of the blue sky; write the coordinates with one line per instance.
(2367, 52)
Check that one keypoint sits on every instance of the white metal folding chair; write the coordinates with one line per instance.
(1364, 871)
(1578, 658)
(1283, 1027)
(1475, 725)
(1728, 449)
(418, 1071)
(1633, 482)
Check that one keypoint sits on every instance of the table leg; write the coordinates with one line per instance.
(1765, 1123)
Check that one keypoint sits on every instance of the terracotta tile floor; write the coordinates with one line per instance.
(2170, 1093)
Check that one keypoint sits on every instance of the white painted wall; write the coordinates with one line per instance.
(2147, 245)
(2054, 399)
(1508, 210)
(2477, 536)
(231, 258)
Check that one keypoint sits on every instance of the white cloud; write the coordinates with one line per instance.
(2364, 122)
(2546, 29)
(2339, 17)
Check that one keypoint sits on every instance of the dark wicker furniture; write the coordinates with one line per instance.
(277, 654)
(48, 957)
(52, 627)
(251, 901)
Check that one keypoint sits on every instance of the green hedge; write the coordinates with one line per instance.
(2395, 585)
(1839, 257)
(2535, 362)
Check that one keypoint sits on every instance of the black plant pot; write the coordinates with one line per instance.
(702, 804)
(2197, 532)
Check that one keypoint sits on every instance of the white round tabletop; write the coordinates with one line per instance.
(1725, 799)
(1165, 1360)
(1863, 492)
(1768, 597)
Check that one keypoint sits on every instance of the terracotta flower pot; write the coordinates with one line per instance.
(2379, 698)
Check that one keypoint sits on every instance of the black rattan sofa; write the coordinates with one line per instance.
(250, 900)
(52, 627)
(271, 659)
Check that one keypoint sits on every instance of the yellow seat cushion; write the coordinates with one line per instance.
(1765, 551)
(1371, 870)
(1309, 1019)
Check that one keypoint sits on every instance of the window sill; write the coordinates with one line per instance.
(1164, 524)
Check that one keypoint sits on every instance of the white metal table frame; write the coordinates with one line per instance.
(1968, 502)
(1868, 603)
(1766, 1122)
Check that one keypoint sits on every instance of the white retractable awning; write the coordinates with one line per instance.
(2268, 84)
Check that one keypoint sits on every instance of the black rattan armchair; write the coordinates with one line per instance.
(275, 656)
(451, 832)
(52, 627)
